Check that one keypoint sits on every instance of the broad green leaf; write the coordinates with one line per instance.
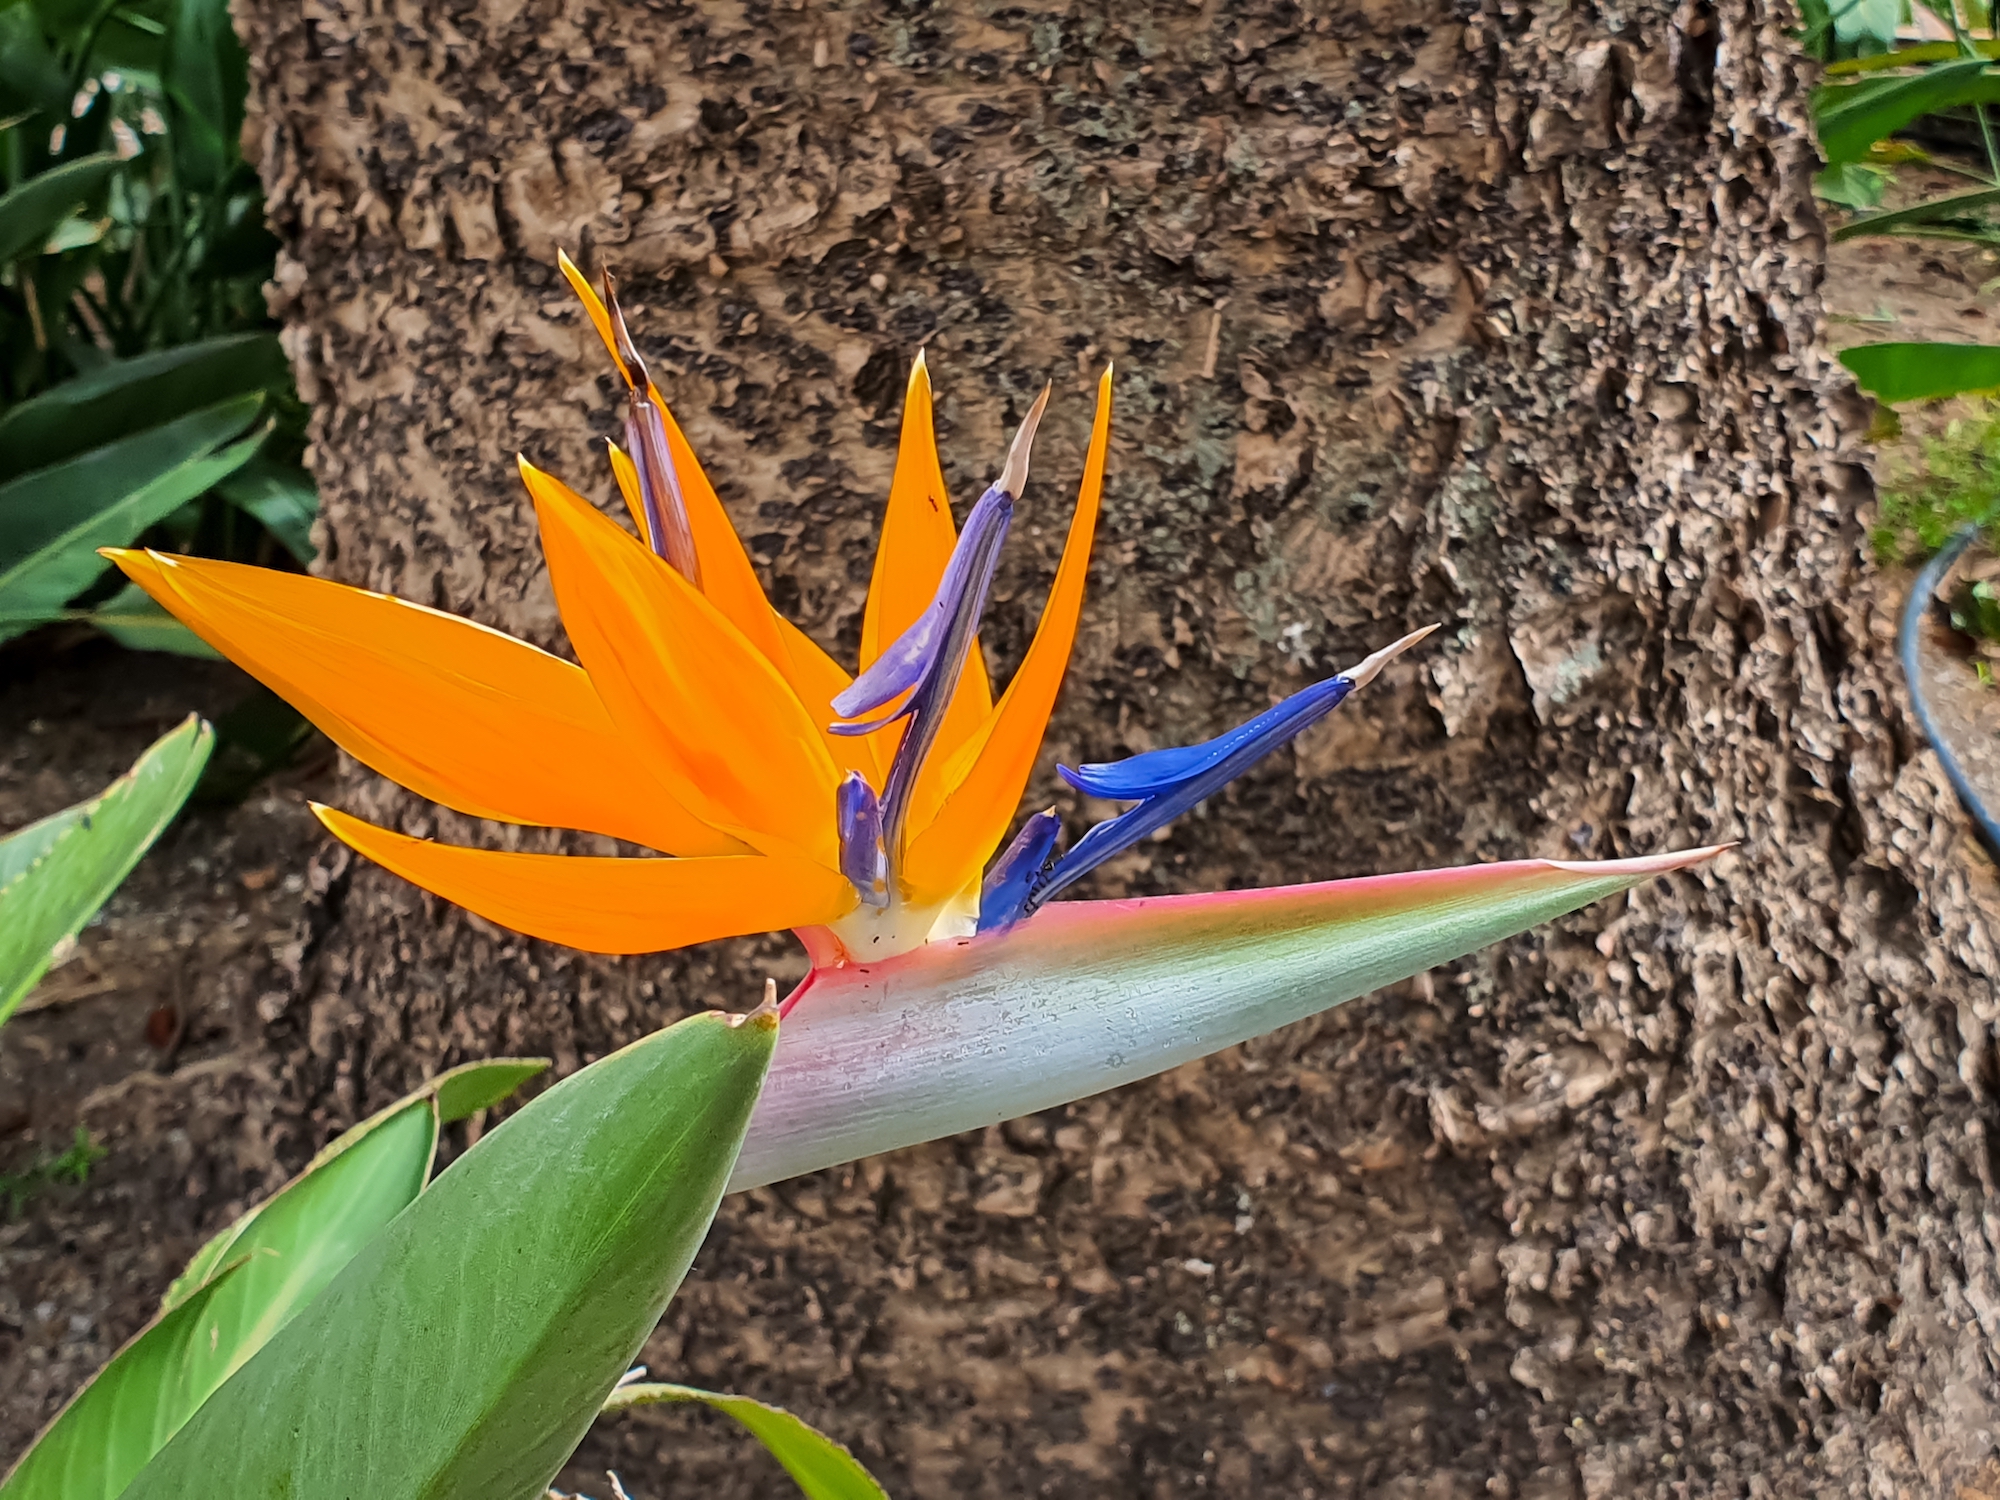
(117, 1422)
(1852, 185)
(206, 75)
(282, 497)
(29, 67)
(473, 1340)
(1931, 211)
(822, 1468)
(1927, 52)
(278, 1260)
(1867, 20)
(475, 1086)
(1923, 372)
(135, 620)
(31, 212)
(84, 863)
(1853, 116)
(132, 395)
(455, 1093)
(20, 849)
(53, 521)
(1087, 995)
(130, 617)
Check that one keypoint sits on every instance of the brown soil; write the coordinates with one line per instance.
(143, 1036)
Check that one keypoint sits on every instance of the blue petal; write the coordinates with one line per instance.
(858, 814)
(1169, 782)
(905, 661)
(1158, 771)
(1010, 884)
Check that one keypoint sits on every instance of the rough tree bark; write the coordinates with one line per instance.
(1496, 314)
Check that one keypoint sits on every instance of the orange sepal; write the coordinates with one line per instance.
(678, 675)
(990, 773)
(916, 544)
(727, 577)
(454, 711)
(608, 905)
(627, 475)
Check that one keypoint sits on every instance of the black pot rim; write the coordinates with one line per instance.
(1921, 593)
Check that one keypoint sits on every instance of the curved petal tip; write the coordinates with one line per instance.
(1645, 864)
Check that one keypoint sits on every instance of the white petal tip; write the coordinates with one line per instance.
(1365, 671)
(1647, 864)
(1014, 477)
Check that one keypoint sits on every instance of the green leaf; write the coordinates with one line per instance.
(261, 734)
(1926, 52)
(1852, 185)
(454, 1094)
(1087, 995)
(1923, 372)
(473, 1340)
(475, 1086)
(277, 1260)
(53, 521)
(80, 864)
(29, 67)
(1933, 210)
(117, 1422)
(206, 75)
(31, 212)
(283, 498)
(1868, 20)
(1853, 116)
(823, 1469)
(135, 620)
(134, 395)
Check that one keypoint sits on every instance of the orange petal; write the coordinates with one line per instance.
(454, 711)
(819, 679)
(608, 905)
(917, 538)
(675, 673)
(726, 574)
(992, 771)
(627, 475)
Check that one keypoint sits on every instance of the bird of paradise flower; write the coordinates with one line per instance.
(945, 991)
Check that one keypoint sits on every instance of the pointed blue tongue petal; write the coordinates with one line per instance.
(1166, 783)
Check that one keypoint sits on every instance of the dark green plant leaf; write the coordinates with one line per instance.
(454, 1094)
(474, 1339)
(76, 866)
(1923, 372)
(1903, 57)
(31, 212)
(118, 1421)
(129, 396)
(1852, 185)
(206, 75)
(135, 621)
(261, 734)
(30, 71)
(53, 521)
(1853, 116)
(822, 1468)
(467, 1089)
(282, 497)
(1957, 205)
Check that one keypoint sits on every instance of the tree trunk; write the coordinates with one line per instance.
(1500, 315)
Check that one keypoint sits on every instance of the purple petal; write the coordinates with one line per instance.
(859, 817)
